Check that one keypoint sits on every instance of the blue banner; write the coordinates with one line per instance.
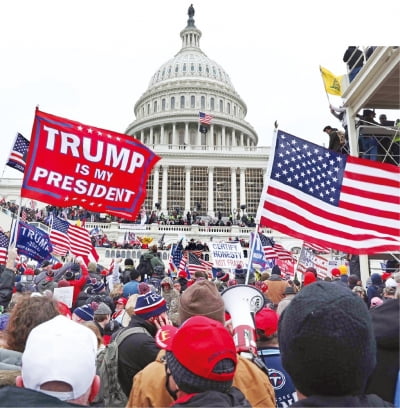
(33, 242)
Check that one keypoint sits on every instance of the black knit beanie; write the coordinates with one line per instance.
(326, 340)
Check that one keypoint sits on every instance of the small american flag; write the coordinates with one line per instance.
(195, 264)
(23, 215)
(17, 159)
(204, 118)
(3, 248)
(71, 238)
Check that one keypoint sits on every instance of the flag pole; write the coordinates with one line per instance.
(250, 258)
(323, 82)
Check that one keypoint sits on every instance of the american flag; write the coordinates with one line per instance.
(66, 237)
(23, 215)
(204, 118)
(59, 236)
(175, 257)
(331, 199)
(283, 253)
(274, 250)
(195, 264)
(17, 159)
(3, 248)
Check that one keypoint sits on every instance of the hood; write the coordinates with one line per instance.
(376, 279)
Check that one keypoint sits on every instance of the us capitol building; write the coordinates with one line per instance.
(216, 172)
(221, 170)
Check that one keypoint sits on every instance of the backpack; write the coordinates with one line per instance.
(145, 267)
(110, 391)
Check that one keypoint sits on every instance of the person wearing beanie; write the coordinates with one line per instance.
(222, 280)
(99, 294)
(182, 280)
(328, 347)
(266, 323)
(276, 286)
(309, 277)
(202, 375)
(200, 299)
(83, 313)
(140, 349)
(102, 317)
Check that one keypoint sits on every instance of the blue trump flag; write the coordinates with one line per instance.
(33, 242)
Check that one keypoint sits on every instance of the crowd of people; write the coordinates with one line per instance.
(331, 342)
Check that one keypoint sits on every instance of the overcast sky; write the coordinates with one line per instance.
(90, 60)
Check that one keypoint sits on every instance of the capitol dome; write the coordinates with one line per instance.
(191, 62)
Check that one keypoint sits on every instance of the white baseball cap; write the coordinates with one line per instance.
(60, 350)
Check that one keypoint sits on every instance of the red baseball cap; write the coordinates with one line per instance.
(267, 321)
(199, 345)
(122, 301)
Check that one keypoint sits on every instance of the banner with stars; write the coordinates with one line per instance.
(331, 199)
(70, 164)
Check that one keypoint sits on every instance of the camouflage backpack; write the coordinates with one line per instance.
(111, 393)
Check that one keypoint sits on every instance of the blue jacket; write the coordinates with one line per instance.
(285, 391)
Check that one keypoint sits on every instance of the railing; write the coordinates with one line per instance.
(379, 143)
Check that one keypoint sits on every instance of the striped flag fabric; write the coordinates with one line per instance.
(331, 199)
(19, 151)
(204, 118)
(283, 253)
(59, 236)
(317, 248)
(273, 250)
(66, 238)
(268, 247)
(194, 264)
(3, 248)
(23, 215)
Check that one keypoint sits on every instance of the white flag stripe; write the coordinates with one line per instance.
(372, 171)
(328, 238)
(329, 223)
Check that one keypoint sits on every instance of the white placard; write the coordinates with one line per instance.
(64, 295)
(226, 254)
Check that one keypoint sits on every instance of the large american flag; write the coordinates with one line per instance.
(66, 237)
(331, 199)
(3, 248)
(205, 118)
(17, 159)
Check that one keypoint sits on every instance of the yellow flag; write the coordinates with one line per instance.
(78, 223)
(333, 84)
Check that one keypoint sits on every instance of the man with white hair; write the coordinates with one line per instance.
(58, 367)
